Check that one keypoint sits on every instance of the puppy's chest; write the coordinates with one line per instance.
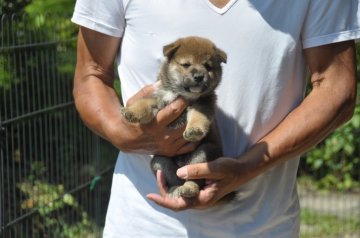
(166, 96)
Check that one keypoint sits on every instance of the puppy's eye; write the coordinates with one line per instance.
(185, 65)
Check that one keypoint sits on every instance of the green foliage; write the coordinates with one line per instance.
(327, 226)
(50, 6)
(12, 6)
(37, 61)
(33, 7)
(53, 16)
(48, 199)
(4, 76)
(335, 163)
(358, 56)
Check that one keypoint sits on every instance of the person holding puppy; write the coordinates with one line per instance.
(264, 120)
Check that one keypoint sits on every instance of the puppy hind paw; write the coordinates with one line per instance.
(193, 134)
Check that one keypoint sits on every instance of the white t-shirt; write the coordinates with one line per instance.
(263, 80)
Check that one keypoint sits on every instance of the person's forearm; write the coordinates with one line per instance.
(319, 114)
(330, 104)
(97, 104)
(94, 95)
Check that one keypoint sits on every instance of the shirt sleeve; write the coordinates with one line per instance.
(104, 16)
(330, 21)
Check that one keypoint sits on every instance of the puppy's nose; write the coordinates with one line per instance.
(199, 78)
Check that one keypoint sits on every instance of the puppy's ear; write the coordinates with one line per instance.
(169, 50)
(221, 55)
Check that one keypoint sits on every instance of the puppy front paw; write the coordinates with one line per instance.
(129, 115)
(174, 192)
(144, 116)
(189, 189)
(193, 134)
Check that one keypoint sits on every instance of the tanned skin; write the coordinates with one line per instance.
(330, 103)
(219, 3)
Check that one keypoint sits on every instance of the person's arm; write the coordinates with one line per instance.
(99, 105)
(330, 103)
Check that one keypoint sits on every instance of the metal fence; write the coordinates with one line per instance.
(328, 213)
(54, 173)
(52, 183)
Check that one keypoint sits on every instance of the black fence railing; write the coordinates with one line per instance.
(52, 183)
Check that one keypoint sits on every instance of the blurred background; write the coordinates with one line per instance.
(55, 175)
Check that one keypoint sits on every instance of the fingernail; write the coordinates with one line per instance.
(182, 172)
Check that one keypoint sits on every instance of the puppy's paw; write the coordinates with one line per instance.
(189, 189)
(193, 134)
(144, 116)
(129, 115)
(174, 192)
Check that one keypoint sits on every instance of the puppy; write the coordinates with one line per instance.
(191, 70)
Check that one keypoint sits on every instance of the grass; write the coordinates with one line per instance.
(316, 225)
(317, 222)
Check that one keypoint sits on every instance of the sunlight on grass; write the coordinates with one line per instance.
(315, 225)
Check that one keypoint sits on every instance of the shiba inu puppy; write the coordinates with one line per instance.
(192, 70)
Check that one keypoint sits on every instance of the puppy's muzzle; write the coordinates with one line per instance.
(195, 80)
(198, 75)
(198, 78)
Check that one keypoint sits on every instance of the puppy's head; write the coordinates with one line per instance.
(193, 66)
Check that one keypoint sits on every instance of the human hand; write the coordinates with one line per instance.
(222, 176)
(155, 137)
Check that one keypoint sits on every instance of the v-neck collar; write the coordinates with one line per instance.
(222, 10)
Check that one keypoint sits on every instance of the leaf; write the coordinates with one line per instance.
(355, 121)
(94, 181)
(68, 199)
(349, 148)
(317, 163)
(50, 6)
